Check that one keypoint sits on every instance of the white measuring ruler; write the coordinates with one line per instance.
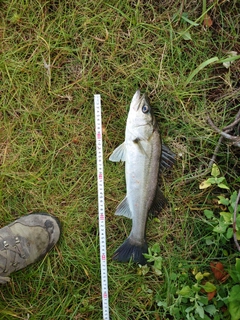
(101, 206)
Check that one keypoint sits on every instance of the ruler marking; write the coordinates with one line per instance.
(101, 207)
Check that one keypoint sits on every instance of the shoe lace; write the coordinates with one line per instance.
(12, 255)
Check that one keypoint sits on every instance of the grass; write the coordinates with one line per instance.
(47, 141)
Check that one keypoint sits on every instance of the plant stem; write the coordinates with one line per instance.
(234, 222)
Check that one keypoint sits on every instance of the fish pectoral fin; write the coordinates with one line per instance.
(140, 146)
(159, 202)
(123, 209)
(119, 154)
(168, 158)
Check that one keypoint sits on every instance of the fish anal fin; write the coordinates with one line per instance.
(131, 251)
(159, 202)
(119, 154)
(123, 209)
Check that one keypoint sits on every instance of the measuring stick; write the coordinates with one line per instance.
(101, 206)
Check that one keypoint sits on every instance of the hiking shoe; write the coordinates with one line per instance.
(25, 241)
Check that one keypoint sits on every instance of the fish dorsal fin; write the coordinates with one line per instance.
(159, 202)
(119, 154)
(167, 159)
(123, 209)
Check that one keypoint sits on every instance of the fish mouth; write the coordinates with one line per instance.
(138, 101)
(142, 101)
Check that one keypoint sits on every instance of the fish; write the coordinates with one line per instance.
(145, 157)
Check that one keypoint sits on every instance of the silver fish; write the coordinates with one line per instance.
(144, 156)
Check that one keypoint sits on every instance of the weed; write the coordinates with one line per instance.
(223, 223)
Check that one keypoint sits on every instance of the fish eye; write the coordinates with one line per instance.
(145, 109)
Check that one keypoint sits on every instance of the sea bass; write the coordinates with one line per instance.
(143, 154)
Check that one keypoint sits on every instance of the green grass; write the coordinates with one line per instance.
(47, 141)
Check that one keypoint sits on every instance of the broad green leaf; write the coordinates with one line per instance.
(209, 287)
(237, 265)
(226, 216)
(158, 263)
(215, 171)
(223, 186)
(223, 200)
(200, 311)
(238, 235)
(234, 294)
(174, 310)
(219, 180)
(225, 253)
(143, 270)
(238, 221)
(199, 276)
(205, 184)
(185, 292)
(162, 304)
(229, 234)
(206, 274)
(231, 210)
(155, 248)
(157, 271)
(221, 228)
(212, 180)
(233, 200)
(189, 309)
(234, 302)
(185, 34)
(208, 213)
(233, 197)
(235, 276)
(148, 257)
(209, 241)
(196, 287)
(203, 300)
(211, 309)
(173, 276)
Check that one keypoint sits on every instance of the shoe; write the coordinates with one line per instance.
(25, 241)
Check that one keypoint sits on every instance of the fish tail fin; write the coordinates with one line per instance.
(131, 250)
